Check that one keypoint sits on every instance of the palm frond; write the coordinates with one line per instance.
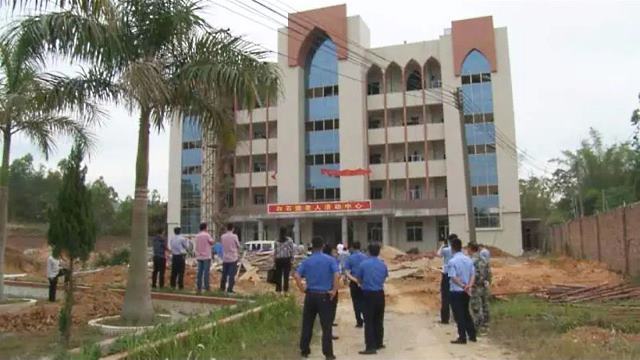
(42, 130)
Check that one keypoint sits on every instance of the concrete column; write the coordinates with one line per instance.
(296, 231)
(345, 230)
(260, 230)
(385, 231)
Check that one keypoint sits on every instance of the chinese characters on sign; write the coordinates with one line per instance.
(319, 207)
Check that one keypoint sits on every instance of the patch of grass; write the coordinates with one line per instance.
(157, 320)
(536, 329)
(270, 334)
(166, 330)
(39, 345)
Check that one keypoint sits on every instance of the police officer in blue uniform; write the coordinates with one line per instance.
(371, 276)
(322, 276)
(351, 265)
(462, 276)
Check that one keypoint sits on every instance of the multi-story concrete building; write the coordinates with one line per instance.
(366, 143)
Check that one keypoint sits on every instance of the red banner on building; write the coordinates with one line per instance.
(345, 172)
(319, 207)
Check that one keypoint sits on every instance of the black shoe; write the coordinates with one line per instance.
(334, 324)
(444, 322)
(335, 337)
(359, 325)
(473, 339)
(304, 354)
(330, 357)
(381, 347)
(368, 352)
(459, 341)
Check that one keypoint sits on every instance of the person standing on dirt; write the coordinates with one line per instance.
(445, 253)
(230, 257)
(461, 276)
(204, 241)
(479, 301)
(283, 258)
(351, 266)
(159, 259)
(371, 275)
(322, 276)
(179, 246)
(54, 271)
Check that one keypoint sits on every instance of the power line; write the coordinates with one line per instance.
(446, 97)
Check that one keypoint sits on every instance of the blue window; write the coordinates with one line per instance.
(481, 138)
(191, 164)
(322, 139)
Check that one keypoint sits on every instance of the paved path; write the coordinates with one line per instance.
(407, 337)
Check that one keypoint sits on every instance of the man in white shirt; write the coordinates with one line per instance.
(54, 271)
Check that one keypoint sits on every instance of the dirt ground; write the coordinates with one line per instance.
(418, 293)
(44, 315)
(408, 337)
(511, 275)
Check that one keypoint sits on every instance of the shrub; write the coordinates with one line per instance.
(119, 256)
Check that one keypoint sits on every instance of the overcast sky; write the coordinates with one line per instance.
(574, 65)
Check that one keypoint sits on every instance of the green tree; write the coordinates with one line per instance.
(595, 177)
(72, 228)
(34, 107)
(104, 202)
(159, 58)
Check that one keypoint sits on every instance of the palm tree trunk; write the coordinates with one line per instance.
(137, 308)
(4, 200)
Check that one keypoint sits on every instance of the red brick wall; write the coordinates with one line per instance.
(590, 237)
(633, 237)
(575, 246)
(619, 234)
(611, 239)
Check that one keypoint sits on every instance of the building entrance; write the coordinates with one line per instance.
(329, 230)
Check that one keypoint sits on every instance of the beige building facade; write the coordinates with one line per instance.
(365, 144)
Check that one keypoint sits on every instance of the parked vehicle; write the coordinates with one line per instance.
(260, 246)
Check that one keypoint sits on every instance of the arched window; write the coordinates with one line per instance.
(393, 77)
(475, 63)
(433, 74)
(481, 142)
(322, 123)
(374, 80)
(414, 76)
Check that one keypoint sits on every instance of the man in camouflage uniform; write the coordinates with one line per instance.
(479, 302)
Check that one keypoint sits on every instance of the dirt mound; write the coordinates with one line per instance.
(389, 253)
(44, 316)
(532, 275)
(17, 262)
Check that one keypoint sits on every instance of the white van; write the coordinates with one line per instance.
(260, 246)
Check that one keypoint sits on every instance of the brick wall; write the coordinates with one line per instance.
(612, 237)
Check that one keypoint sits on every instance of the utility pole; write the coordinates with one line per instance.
(471, 219)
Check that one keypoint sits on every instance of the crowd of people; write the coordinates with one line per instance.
(465, 282)
(464, 291)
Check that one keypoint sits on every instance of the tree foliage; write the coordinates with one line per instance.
(72, 228)
(591, 179)
(36, 189)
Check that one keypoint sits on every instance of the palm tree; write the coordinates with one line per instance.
(37, 105)
(160, 58)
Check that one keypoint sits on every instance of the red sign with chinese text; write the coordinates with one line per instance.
(345, 172)
(319, 207)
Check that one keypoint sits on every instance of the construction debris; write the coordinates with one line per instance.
(602, 292)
